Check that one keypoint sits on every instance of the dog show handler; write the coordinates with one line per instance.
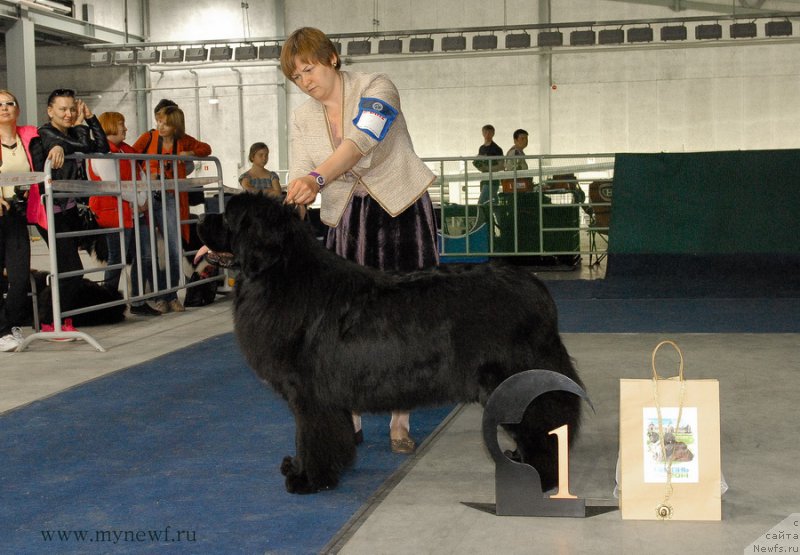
(349, 142)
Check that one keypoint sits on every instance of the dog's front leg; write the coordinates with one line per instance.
(325, 446)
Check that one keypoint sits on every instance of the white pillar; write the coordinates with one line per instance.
(21, 64)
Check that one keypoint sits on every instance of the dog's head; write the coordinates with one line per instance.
(254, 228)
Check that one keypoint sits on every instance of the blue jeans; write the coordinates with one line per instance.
(145, 255)
(488, 188)
(172, 239)
(111, 277)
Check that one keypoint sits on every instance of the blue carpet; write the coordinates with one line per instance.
(180, 455)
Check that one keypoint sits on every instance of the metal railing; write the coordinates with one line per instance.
(539, 206)
(141, 183)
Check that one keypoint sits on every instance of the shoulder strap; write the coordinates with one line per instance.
(149, 139)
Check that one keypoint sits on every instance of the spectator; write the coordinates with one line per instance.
(21, 152)
(169, 137)
(258, 179)
(66, 129)
(107, 213)
(488, 148)
(520, 143)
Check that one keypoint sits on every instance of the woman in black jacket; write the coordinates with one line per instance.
(65, 129)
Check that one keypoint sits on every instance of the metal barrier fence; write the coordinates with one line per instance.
(546, 209)
(141, 184)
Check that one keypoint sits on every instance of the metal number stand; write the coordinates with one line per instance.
(518, 487)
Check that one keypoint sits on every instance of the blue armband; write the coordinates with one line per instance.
(375, 117)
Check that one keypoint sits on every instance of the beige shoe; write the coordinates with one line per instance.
(404, 446)
(161, 306)
(176, 306)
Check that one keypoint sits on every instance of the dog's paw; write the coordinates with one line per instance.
(287, 465)
(298, 481)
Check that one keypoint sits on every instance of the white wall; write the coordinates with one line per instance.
(681, 99)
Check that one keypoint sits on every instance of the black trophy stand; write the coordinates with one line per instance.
(518, 487)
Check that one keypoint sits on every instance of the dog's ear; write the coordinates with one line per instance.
(258, 226)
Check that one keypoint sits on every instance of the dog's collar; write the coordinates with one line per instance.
(221, 259)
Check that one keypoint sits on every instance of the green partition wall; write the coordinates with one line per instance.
(706, 203)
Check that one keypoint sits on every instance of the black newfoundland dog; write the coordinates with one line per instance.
(333, 337)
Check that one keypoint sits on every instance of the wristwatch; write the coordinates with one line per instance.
(319, 179)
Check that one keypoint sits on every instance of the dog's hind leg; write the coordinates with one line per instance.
(325, 447)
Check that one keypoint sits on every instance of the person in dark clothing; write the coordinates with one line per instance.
(73, 127)
(489, 148)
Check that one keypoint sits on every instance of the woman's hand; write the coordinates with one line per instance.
(56, 157)
(4, 206)
(302, 190)
(83, 112)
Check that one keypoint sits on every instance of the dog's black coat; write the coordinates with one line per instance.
(84, 293)
(333, 337)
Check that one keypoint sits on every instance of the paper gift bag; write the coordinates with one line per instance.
(669, 447)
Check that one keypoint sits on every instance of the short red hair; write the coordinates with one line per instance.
(110, 121)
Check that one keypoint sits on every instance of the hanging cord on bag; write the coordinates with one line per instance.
(664, 510)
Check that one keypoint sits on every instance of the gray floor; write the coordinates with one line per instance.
(426, 510)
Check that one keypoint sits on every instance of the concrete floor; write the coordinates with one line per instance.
(427, 508)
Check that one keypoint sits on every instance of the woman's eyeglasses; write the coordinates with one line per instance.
(9, 103)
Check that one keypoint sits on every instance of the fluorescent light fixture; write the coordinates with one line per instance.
(124, 56)
(550, 38)
(640, 34)
(611, 36)
(58, 7)
(172, 55)
(778, 28)
(709, 31)
(220, 53)
(196, 54)
(484, 42)
(518, 40)
(424, 44)
(673, 32)
(248, 52)
(743, 30)
(450, 44)
(582, 38)
(359, 47)
(100, 59)
(148, 56)
(390, 46)
(269, 52)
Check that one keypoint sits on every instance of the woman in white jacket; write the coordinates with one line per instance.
(350, 143)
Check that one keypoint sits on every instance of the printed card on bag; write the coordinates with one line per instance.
(680, 444)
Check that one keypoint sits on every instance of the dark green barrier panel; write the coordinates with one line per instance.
(706, 203)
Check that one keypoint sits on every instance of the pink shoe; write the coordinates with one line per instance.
(66, 325)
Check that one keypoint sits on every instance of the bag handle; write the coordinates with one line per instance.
(653, 359)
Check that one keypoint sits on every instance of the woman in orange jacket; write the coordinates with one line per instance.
(169, 137)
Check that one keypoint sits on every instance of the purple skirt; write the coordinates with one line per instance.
(370, 236)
